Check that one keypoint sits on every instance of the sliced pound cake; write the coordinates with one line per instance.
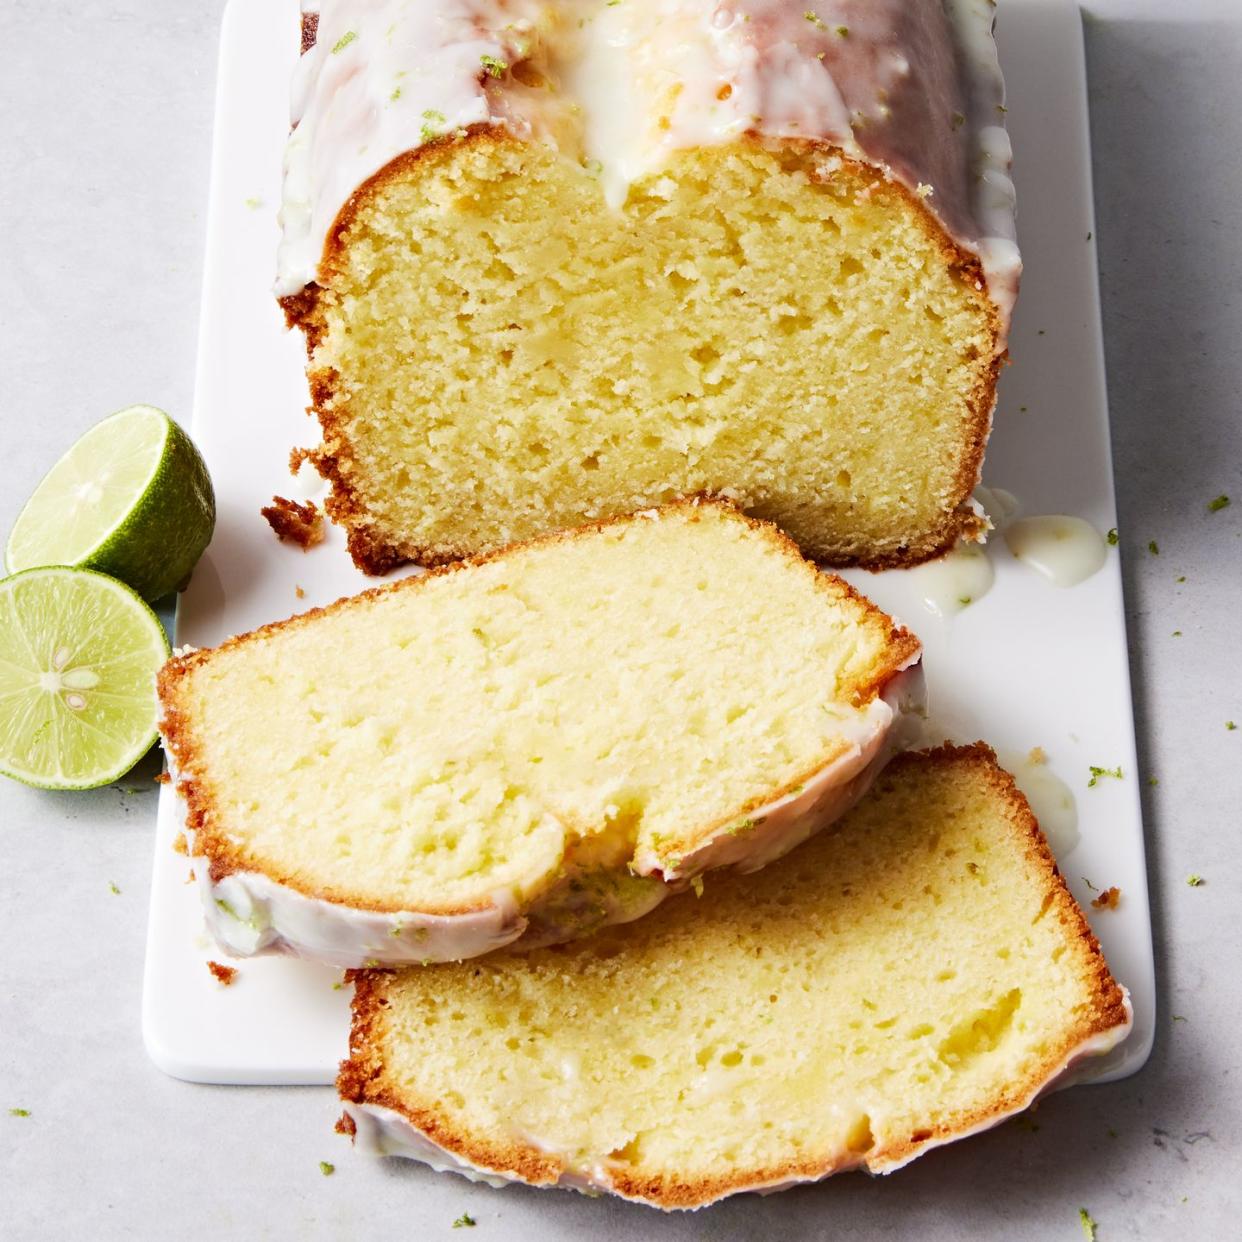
(558, 261)
(536, 743)
(914, 976)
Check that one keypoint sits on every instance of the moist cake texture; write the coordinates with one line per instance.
(536, 743)
(558, 262)
(913, 976)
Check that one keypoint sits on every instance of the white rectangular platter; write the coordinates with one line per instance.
(1028, 665)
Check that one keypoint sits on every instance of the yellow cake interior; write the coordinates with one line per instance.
(500, 352)
(434, 743)
(914, 972)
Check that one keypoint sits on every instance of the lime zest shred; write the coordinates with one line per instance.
(1096, 773)
(344, 41)
(1087, 1221)
(1221, 502)
(327, 1168)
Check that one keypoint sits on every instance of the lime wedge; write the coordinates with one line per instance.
(132, 498)
(78, 657)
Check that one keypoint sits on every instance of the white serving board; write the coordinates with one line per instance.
(1028, 665)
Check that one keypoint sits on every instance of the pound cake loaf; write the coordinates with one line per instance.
(914, 976)
(560, 261)
(529, 745)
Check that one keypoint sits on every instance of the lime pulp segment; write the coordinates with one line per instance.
(132, 499)
(79, 653)
(90, 491)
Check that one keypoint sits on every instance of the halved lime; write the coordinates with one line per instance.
(79, 652)
(132, 498)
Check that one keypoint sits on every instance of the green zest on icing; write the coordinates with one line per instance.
(434, 120)
(1096, 773)
(327, 1168)
(344, 41)
(493, 66)
(814, 19)
(465, 1221)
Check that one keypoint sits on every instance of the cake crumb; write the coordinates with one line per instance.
(298, 457)
(293, 522)
(179, 845)
(297, 590)
(1108, 899)
(163, 778)
(189, 879)
(1037, 755)
(345, 1125)
(224, 975)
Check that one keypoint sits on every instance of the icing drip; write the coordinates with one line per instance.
(911, 87)
(1065, 550)
(955, 581)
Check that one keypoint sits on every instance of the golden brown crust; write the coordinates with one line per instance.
(362, 1079)
(293, 522)
(211, 834)
(377, 554)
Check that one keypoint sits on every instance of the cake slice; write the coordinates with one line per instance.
(914, 976)
(559, 261)
(529, 745)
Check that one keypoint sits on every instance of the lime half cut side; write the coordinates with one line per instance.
(132, 499)
(79, 653)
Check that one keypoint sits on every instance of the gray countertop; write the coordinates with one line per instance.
(105, 160)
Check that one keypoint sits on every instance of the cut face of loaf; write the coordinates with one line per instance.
(912, 977)
(551, 304)
(535, 744)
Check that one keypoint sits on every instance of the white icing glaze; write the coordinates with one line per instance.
(1065, 550)
(956, 580)
(999, 506)
(1052, 801)
(250, 914)
(891, 83)
(383, 1131)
